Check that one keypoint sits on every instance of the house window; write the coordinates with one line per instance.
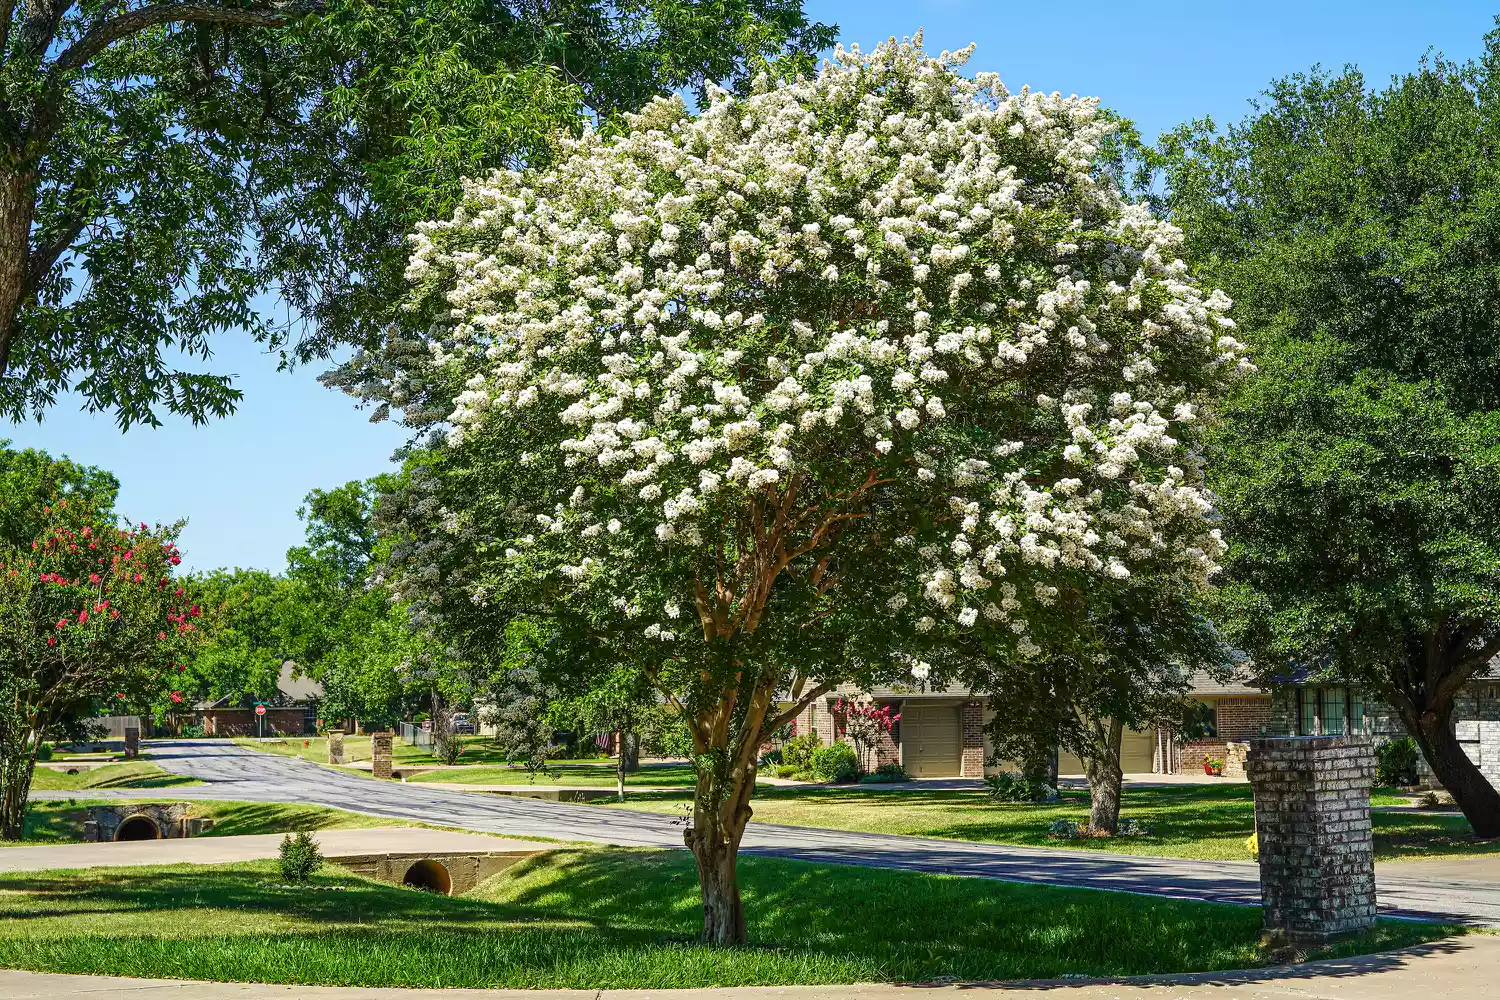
(1335, 711)
(1331, 711)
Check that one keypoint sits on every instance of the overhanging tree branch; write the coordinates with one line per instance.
(99, 37)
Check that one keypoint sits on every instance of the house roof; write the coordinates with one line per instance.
(292, 689)
(1236, 683)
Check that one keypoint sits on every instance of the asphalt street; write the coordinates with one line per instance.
(1462, 891)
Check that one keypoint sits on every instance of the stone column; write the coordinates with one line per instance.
(335, 748)
(380, 754)
(132, 742)
(1312, 825)
(971, 720)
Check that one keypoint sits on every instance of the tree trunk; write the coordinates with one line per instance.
(17, 764)
(1479, 800)
(620, 765)
(721, 808)
(630, 751)
(17, 205)
(1105, 778)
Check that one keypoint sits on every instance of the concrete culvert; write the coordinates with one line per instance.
(138, 828)
(72, 770)
(429, 876)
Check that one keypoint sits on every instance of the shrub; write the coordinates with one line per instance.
(1063, 828)
(44, 752)
(886, 773)
(1012, 786)
(192, 732)
(1396, 762)
(300, 857)
(798, 752)
(672, 739)
(771, 758)
(835, 762)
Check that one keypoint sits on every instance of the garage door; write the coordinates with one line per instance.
(931, 741)
(1137, 755)
(1138, 752)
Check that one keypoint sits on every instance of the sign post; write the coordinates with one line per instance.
(260, 719)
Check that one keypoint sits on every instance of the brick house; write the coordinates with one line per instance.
(291, 711)
(1302, 706)
(1232, 711)
(941, 734)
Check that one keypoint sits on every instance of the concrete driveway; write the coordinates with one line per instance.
(1459, 891)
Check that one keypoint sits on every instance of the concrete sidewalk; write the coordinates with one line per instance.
(1465, 969)
(223, 850)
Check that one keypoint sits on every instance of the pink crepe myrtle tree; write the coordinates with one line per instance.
(865, 724)
(90, 616)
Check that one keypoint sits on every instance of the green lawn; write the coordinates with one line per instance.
(135, 774)
(569, 773)
(476, 750)
(1207, 822)
(54, 822)
(614, 919)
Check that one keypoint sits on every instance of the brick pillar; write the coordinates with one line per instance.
(132, 742)
(335, 748)
(1312, 824)
(972, 722)
(380, 754)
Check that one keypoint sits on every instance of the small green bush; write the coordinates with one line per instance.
(1396, 762)
(300, 857)
(671, 739)
(1012, 786)
(192, 733)
(886, 773)
(797, 753)
(44, 752)
(835, 762)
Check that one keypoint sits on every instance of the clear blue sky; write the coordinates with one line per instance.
(240, 480)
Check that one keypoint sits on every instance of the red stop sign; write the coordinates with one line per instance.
(260, 710)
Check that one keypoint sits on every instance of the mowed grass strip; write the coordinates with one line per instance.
(53, 822)
(476, 750)
(1201, 822)
(135, 774)
(571, 774)
(615, 919)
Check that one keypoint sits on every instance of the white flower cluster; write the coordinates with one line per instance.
(889, 264)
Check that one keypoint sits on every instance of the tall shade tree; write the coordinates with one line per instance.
(1355, 228)
(1126, 665)
(89, 614)
(769, 399)
(166, 168)
(249, 631)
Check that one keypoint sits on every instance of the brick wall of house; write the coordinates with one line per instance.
(1243, 717)
(1476, 714)
(1192, 754)
(225, 722)
(971, 721)
(888, 745)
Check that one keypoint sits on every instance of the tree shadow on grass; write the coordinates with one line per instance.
(608, 918)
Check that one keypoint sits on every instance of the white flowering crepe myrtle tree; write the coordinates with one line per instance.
(805, 383)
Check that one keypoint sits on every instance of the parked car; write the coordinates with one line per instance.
(463, 725)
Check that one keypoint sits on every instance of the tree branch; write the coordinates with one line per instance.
(44, 256)
(101, 35)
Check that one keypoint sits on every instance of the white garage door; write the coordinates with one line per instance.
(931, 741)
(1137, 755)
